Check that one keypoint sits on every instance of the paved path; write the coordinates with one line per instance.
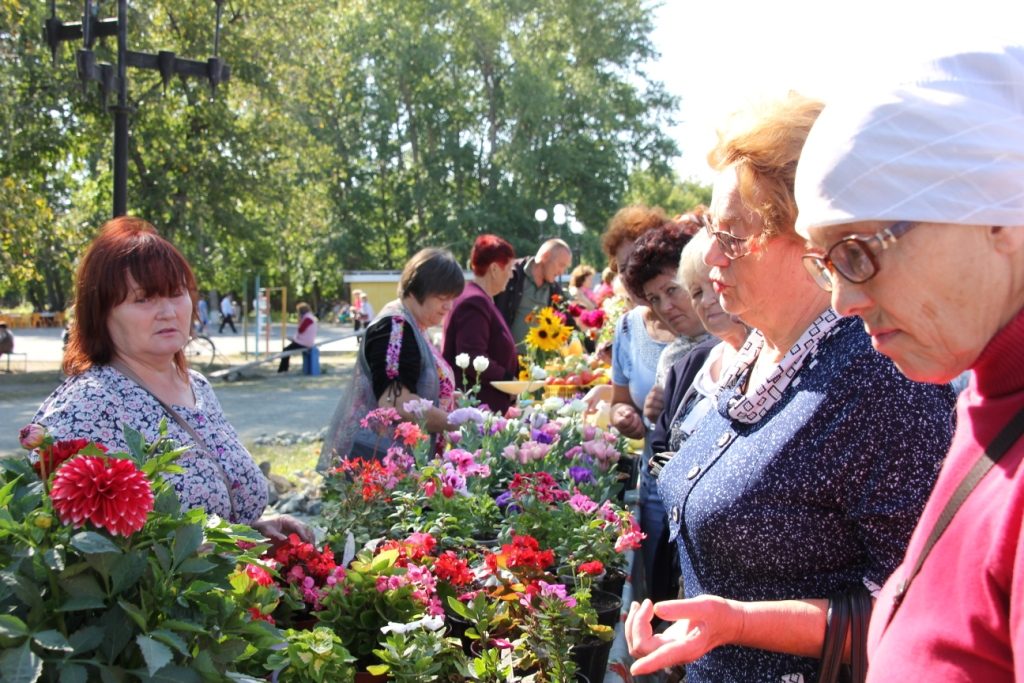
(263, 403)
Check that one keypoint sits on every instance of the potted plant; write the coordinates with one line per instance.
(106, 576)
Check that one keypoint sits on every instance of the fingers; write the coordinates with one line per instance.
(668, 653)
(638, 628)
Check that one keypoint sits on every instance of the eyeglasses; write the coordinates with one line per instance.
(854, 257)
(732, 247)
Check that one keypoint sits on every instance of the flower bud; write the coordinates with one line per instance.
(32, 436)
(43, 521)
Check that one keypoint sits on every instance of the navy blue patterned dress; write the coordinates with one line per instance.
(820, 494)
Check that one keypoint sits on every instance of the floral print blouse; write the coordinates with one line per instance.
(99, 402)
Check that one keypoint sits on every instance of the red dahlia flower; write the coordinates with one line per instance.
(53, 456)
(107, 492)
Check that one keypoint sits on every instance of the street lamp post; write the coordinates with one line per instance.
(113, 78)
(540, 215)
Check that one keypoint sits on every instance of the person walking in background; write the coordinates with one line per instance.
(533, 285)
(227, 313)
(362, 310)
(580, 286)
(305, 337)
(203, 309)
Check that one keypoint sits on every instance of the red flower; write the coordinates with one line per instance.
(55, 455)
(594, 568)
(409, 433)
(260, 575)
(107, 492)
(453, 569)
(257, 615)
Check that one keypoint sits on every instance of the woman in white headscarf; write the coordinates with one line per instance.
(913, 201)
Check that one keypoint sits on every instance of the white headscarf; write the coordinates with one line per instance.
(947, 147)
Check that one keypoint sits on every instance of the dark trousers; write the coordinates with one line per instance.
(283, 367)
(227, 320)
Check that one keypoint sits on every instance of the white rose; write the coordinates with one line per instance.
(462, 360)
(480, 363)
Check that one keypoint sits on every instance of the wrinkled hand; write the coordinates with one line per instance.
(627, 420)
(277, 529)
(701, 624)
(654, 404)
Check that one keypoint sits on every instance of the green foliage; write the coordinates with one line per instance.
(313, 656)
(349, 135)
(80, 604)
(667, 191)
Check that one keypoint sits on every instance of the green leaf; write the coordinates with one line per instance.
(118, 633)
(73, 673)
(5, 492)
(170, 674)
(12, 627)
(196, 565)
(458, 607)
(136, 444)
(137, 615)
(170, 638)
(156, 654)
(86, 639)
(20, 665)
(52, 640)
(183, 626)
(77, 603)
(54, 560)
(241, 678)
(92, 542)
(113, 674)
(127, 571)
(84, 593)
(378, 669)
(186, 541)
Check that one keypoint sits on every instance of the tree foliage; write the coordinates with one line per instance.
(349, 136)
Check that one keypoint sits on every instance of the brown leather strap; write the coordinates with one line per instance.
(985, 462)
(199, 444)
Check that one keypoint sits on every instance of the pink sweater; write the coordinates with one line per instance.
(963, 617)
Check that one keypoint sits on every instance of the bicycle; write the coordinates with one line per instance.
(200, 352)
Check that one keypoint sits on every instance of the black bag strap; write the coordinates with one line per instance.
(848, 613)
(985, 462)
(837, 624)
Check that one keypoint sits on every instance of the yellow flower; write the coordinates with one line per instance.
(543, 338)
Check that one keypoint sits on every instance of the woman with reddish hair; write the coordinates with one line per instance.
(135, 300)
(476, 327)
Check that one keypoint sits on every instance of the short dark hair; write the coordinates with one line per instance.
(490, 249)
(656, 251)
(431, 272)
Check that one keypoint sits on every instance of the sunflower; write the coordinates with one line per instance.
(544, 338)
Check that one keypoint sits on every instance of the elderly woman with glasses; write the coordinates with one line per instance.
(808, 474)
(927, 250)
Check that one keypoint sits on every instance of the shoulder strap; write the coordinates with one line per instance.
(985, 462)
(174, 415)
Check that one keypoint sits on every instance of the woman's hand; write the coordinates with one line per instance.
(277, 529)
(701, 624)
(627, 420)
(654, 404)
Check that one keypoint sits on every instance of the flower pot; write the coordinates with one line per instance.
(613, 581)
(591, 657)
(367, 677)
(607, 606)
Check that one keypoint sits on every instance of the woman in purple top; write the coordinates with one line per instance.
(476, 327)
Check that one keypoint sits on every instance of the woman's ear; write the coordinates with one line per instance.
(1008, 239)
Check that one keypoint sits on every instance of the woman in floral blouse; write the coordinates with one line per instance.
(134, 308)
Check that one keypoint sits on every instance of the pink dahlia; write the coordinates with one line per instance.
(107, 492)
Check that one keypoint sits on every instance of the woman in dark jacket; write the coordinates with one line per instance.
(476, 327)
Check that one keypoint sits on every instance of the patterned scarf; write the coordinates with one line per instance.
(753, 405)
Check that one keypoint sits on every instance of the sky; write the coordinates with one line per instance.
(717, 55)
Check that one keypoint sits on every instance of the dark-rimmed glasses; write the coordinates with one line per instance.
(854, 257)
(732, 247)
